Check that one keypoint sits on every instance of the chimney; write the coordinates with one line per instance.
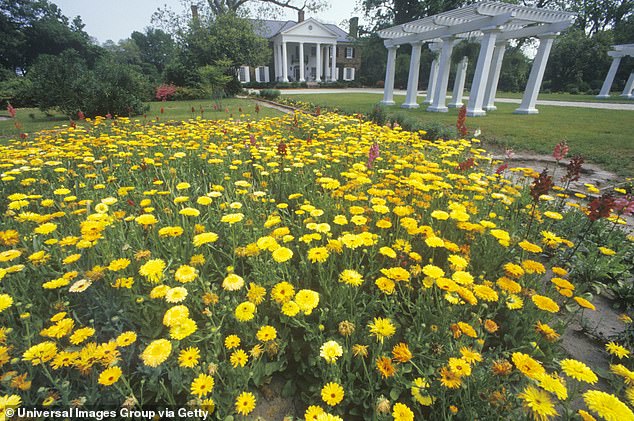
(300, 16)
(194, 13)
(354, 27)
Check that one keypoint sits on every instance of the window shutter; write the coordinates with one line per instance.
(247, 75)
(266, 74)
(257, 74)
(352, 73)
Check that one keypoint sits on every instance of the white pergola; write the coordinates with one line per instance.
(618, 52)
(494, 24)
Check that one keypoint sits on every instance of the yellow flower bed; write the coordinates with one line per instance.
(376, 274)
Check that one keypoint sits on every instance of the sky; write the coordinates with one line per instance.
(117, 19)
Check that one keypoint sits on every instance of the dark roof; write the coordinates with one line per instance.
(269, 28)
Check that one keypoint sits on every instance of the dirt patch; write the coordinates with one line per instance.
(272, 406)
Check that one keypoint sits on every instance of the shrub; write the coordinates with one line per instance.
(378, 115)
(67, 83)
(17, 91)
(270, 94)
(164, 92)
(186, 93)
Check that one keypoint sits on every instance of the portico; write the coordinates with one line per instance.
(494, 24)
(305, 52)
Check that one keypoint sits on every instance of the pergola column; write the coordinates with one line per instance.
(444, 66)
(494, 76)
(301, 62)
(318, 63)
(458, 85)
(478, 85)
(388, 88)
(629, 86)
(326, 63)
(431, 83)
(535, 78)
(284, 63)
(412, 80)
(333, 68)
(609, 79)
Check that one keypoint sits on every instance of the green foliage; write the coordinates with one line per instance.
(30, 28)
(576, 58)
(17, 91)
(67, 83)
(270, 94)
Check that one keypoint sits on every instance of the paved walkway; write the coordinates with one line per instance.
(596, 105)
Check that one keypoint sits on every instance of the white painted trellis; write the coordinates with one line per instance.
(494, 24)
(617, 53)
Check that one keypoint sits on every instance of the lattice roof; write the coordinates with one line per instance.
(470, 21)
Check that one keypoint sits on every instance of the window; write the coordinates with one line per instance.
(243, 74)
(348, 73)
(313, 51)
(262, 74)
(349, 52)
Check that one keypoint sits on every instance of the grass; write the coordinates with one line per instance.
(33, 120)
(614, 98)
(603, 137)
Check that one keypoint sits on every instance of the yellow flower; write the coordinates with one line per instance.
(401, 412)
(146, 220)
(332, 393)
(401, 353)
(538, 401)
(318, 254)
(245, 403)
(6, 301)
(330, 351)
(382, 328)
(608, 406)
(232, 341)
(527, 365)
(202, 385)
(578, 371)
(617, 350)
(156, 352)
(545, 303)
(232, 218)
(189, 212)
(232, 282)
(153, 270)
(266, 333)
(126, 339)
(307, 300)
(182, 329)
(245, 311)
(282, 254)
(351, 277)
(189, 357)
(205, 238)
(185, 274)
(110, 376)
(282, 292)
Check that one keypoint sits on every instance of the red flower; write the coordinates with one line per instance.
(541, 185)
(501, 168)
(561, 150)
(601, 207)
(465, 165)
(11, 110)
(282, 148)
(460, 123)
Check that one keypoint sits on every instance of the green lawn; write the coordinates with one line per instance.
(604, 137)
(614, 98)
(33, 119)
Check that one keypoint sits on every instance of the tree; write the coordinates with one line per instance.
(178, 22)
(29, 28)
(156, 47)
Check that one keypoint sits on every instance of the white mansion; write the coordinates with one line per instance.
(305, 51)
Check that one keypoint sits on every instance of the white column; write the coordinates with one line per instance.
(444, 66)
(607, 83)
(535, 78)
(284, 63)
(326, 63)
(333, 68)
(388, 88)
(494, 77)
(412, 80)
(301, 62)
(458, 85)
(629, 85)
(318, 63)
(478, 85)
(431, 84)
(276, 61)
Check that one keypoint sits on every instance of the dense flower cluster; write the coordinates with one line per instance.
(204, 253)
